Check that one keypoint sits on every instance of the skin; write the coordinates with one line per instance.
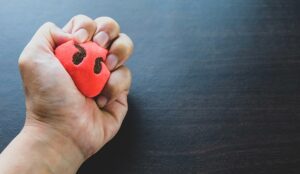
(63, 128)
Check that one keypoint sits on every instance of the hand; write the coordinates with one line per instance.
(57, 114)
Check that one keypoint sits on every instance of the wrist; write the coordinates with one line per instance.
(59, 152)
(38, 149)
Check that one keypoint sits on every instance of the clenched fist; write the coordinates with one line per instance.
(63, 127)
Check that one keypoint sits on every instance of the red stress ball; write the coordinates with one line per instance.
(85, 64)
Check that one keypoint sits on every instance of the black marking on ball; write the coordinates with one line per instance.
(97, 66)
(80, 55)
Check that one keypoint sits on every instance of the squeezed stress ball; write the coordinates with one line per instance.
(85, 64)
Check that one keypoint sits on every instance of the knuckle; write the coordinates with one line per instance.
(125, 45)
(129, 78)
(114, 90)
(109, 90)
(121, 47)
(109, 22)
(27, 59)
(84, 21)
(126, 72)
(24, 61)
(80, 16)
(83, 18)
(126, 77)
(128, 39)
(48, 24)
(131, 45)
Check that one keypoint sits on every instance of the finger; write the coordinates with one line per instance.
(107, 30)
(119, 52)
(118, 108)
(118, 83)
(51, 35)
(37, 62)
(113, 116)
(46, 38)
(82, 28)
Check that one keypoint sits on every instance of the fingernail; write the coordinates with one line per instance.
(101, 101)
(101, 38)
(81, 35)
(111, 61)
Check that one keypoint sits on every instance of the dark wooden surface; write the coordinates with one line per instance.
(216, 83)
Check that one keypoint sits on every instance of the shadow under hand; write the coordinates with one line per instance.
(118, 154)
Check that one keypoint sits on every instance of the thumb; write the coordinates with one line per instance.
(43, 43)
(48, 37)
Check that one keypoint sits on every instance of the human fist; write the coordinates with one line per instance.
(54, 103)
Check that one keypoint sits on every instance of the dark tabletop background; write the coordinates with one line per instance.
(216, 83)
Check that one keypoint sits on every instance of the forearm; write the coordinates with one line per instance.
(39, 150)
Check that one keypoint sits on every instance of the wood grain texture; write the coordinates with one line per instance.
(216, 84)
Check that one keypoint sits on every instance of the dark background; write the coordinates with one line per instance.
(216, 83)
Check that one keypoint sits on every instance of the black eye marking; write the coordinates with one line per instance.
(78, 56)
(97, 66)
